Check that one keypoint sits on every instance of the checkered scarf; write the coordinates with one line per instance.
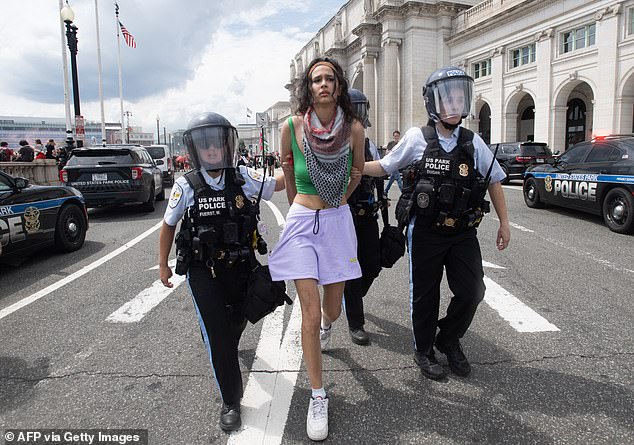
(327, 151)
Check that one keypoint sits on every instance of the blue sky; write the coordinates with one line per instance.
(191, 56)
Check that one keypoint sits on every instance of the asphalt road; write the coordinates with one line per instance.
(64, 365)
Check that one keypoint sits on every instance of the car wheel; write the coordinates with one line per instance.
(70, 230)
(618, 210)
(161, 195)
(531, 194)
(505, 169)
(148, 206)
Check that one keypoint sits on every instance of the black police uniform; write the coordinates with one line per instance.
(442, 204)
(215, 246)
(365, 203)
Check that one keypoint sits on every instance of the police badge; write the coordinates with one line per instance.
(548, 183)
(239, 201)
(463, 170)
(31, 219)
(422, 200)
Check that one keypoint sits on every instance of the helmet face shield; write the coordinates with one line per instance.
(452, 97)
(212, 148)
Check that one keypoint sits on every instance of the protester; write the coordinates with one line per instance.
(319, 145)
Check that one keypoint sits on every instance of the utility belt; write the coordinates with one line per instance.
(364, 209)
(208, 249)
(446, 208)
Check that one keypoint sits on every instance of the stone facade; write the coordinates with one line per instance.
(557, 71)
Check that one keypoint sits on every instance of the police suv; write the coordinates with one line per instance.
(35, 216)
(593, 176)
(115, 174)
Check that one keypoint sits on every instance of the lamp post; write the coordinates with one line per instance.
(68, 16)
(158, 131)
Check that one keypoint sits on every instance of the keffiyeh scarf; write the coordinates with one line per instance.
(327, 151)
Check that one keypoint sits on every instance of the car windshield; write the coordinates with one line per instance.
(156, 152)
(100, 157)
(536, 150)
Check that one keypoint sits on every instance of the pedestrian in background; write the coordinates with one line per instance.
(396, 176)
(6, 154)
(51, 151)
(26, 152)
(318, 246)
(453, 170)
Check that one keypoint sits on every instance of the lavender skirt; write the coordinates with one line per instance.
(321, 245)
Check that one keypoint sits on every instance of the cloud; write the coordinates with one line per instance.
(191, 56)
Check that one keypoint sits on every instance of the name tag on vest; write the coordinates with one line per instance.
(437, 166)
(211, 206)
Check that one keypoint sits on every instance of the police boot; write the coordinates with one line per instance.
(429, 366)
(230, 417)
(458, 362)
(359, 336)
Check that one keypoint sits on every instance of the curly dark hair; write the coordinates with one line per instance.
(302, 97)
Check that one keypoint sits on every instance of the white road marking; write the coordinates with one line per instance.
(276, 212)
(517, 226)
(81, 272)
(146, 300)
(269, 391)
(521, 317)
(267, 398)
(491, 265)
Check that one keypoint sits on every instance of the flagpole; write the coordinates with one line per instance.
(119, 60)
(103, 114)
(69, 124)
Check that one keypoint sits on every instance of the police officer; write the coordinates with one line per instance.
(442, 204)
(365, 203)
(215, 245)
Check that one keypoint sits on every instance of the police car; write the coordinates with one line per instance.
(594, 176)
(34, 216)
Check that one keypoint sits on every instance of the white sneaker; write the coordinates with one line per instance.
(317, 419)
(324, 337)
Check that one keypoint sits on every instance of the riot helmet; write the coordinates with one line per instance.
(211, 142)
(360, 106)
(448, 93)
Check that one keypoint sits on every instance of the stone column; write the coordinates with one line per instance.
(544, 98)
(607, 37)
(558, 128)
(370, 92)
(497, 95)
(390, 89)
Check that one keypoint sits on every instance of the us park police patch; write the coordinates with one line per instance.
(175, 196)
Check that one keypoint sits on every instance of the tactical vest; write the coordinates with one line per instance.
(448, 191)
(365, 201)
(221, 226)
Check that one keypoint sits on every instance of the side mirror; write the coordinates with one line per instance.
(556, 153)
(159, 162)
(21, 183)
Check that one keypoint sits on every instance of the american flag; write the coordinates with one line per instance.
(129, 38)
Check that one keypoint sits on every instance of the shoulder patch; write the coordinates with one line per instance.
(175, 196)
(253, 174)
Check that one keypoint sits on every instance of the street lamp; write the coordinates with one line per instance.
(68, 16)
(158, 131)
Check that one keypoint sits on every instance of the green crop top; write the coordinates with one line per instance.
(302, 179)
